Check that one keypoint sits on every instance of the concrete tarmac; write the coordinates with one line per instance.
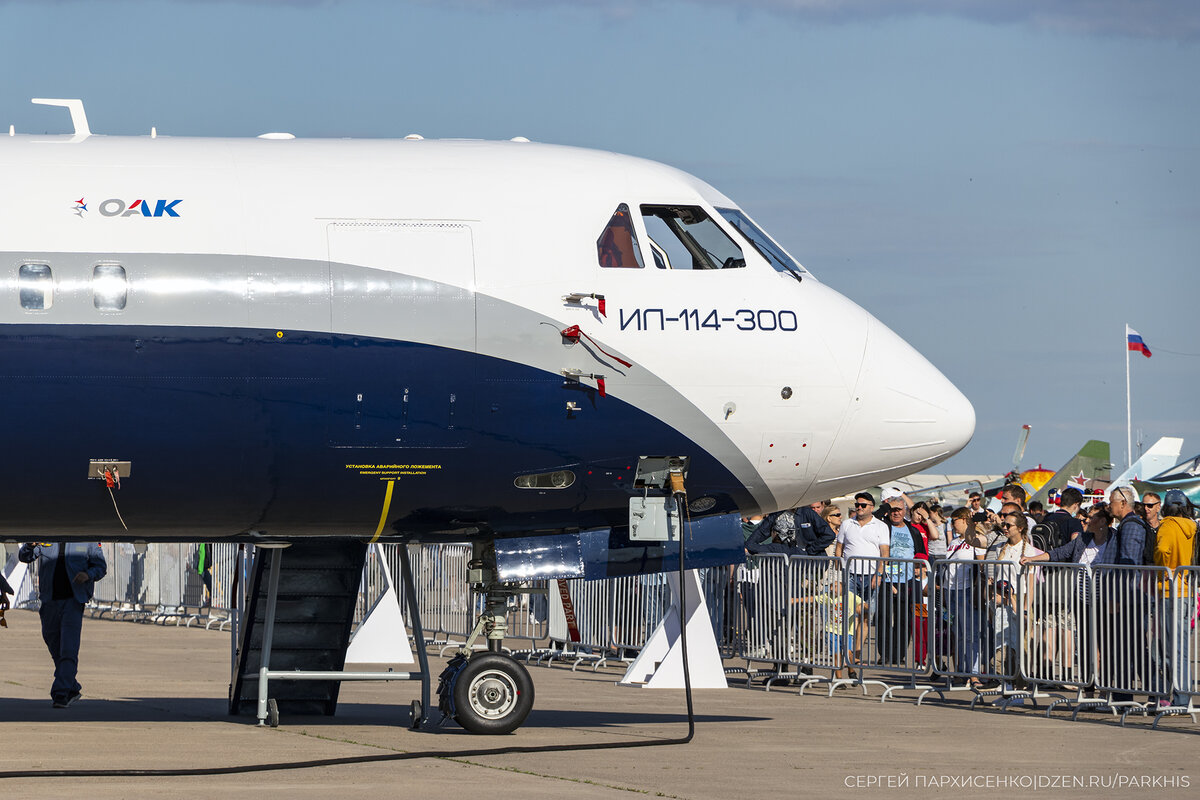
(154, 698)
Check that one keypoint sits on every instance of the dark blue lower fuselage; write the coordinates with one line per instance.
(230, 431)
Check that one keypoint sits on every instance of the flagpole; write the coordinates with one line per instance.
(1128, 407)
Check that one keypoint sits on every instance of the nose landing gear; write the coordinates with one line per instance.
(486, 692)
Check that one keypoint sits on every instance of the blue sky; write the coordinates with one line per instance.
(1006, 183)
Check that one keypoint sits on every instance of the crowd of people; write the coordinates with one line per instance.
(987, 556)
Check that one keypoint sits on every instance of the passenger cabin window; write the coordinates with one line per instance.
(110, 288)
(685, 237)
(36, 286)
(618, 245)
(767, 248)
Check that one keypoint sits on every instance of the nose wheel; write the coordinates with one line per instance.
(492, 693)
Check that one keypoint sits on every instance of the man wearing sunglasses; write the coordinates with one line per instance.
(1153, 505)
(1128, 626)
(860, 538)
(901, 587)
(975, 503)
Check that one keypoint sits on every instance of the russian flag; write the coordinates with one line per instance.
(1135, 341)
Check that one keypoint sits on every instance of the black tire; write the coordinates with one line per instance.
(273, 713)
(493, 694)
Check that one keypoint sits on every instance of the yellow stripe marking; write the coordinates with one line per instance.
(387, 504)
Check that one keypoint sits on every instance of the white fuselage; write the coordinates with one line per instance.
(472, 247)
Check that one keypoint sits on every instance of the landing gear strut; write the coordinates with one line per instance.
(486, 692)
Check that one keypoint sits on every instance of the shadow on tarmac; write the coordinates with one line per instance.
(171, 709)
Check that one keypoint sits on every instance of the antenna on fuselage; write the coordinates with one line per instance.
(78, 116)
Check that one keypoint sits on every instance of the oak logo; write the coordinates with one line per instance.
(115, 207)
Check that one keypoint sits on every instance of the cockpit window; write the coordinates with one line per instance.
(618, 245)
(772, 252)
(685, 237)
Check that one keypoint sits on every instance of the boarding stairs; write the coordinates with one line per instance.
(292, 630)
(314, 610)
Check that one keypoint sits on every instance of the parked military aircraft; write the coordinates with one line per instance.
(1184, 476)
(1092, 462)
(1160, 457)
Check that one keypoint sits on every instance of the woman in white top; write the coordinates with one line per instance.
(1006, 580)
(960, 599)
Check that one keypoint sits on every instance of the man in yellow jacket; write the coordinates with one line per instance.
(1175, 547)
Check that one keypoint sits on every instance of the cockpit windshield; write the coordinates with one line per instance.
(772, 252)
(684, 237)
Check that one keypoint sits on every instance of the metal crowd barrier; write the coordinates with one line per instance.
(892, 635)
(1056, 626)
(1124, 616)
(991, 628)
(765, 603)
(428, 588)
(1182, 656)
(815, 629)
(720, 597)
(159, 583)
(638, 603)
(591, 604)
(458, 607)
(958, 608)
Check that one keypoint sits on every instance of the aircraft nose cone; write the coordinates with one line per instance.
(906, 415)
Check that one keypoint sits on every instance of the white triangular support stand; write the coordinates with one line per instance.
(24, 594)
(660, 664)
(381, 638)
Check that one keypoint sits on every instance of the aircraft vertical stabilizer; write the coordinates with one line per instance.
(1162, 455)
(1093, 461)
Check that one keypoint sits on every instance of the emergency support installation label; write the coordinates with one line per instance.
(392, 472)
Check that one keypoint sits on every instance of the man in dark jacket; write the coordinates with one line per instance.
(1063, 521)
(1128, 624)
(1087, 548)
(1130, 539)
(800, 531)
(67, 575)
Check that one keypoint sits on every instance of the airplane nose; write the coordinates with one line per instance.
(905, 414)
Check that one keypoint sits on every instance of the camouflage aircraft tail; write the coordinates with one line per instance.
(1093, 461)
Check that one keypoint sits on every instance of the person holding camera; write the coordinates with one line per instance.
(796, 532)
(1006, 579)
(67, 575)
(962, 598)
